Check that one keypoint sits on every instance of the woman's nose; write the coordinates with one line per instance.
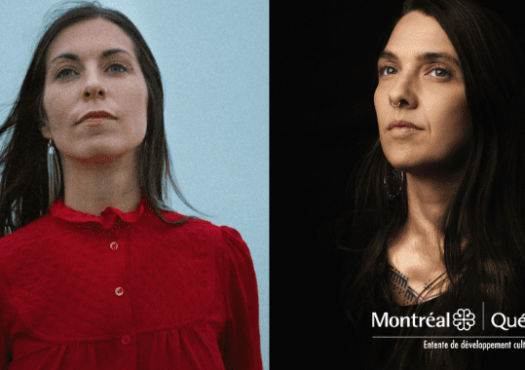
(94, 91)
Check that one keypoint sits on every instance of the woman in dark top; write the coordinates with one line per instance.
(439, 217)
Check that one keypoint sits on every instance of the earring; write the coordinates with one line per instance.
(53, 173)
(394, 183)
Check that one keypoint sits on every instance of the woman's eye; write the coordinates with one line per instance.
(444, 72)
(64, 73)
(117, 68)
(381, 70)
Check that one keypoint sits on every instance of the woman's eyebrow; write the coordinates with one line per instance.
(103, 55)
(429, 56)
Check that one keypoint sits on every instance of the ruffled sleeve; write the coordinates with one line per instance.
(241, 343)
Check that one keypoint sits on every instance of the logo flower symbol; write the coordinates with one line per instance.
(463, 318)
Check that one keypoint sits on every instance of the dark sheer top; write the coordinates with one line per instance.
(349, 347)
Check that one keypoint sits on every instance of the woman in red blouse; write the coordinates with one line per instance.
(96, 272)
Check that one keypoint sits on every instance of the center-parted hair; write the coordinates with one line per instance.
(24, 179)
(488, 208)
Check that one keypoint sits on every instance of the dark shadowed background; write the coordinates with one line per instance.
(322, 120)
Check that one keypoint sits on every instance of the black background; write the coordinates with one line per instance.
(322, 119)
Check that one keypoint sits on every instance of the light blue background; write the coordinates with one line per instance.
(214, 61)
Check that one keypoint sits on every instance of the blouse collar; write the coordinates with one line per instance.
(107, 218)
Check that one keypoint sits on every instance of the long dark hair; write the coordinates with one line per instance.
(24, 184)
(489, 205)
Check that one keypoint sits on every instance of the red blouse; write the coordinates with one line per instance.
(127, 291)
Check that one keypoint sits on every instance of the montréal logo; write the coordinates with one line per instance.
(463, 319)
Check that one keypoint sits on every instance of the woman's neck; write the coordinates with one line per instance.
(92, 187)
(428, 199)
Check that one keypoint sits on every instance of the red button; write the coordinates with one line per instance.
(114, 246)
(126, 339)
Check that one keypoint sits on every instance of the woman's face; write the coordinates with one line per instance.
(432, 96)
(91, 66)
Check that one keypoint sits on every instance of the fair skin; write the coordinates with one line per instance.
(99, 156)
(433, 157)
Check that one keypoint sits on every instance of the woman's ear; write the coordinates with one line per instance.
(43, 124)
(44, 129)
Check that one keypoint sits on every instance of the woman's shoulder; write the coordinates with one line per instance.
(202, 232)
(36, 231)
(196, 224)
(346, 236)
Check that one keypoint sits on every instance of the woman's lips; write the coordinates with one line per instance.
(402, 124)
(98, 115)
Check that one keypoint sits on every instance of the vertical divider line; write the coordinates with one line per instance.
(483, 314)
